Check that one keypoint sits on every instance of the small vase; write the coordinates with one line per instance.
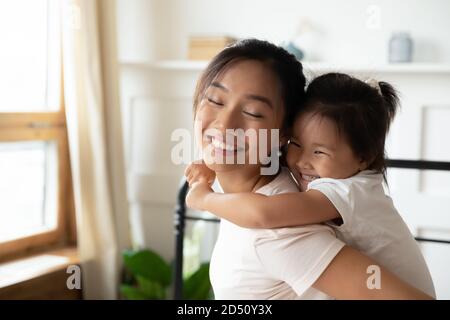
(400, 47)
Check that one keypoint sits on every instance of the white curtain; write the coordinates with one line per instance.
(95, 142)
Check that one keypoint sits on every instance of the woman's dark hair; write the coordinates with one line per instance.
(284, 65)
(362, 112)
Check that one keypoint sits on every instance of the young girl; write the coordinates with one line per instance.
(337, 156)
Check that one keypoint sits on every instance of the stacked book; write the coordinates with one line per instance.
(206, 47)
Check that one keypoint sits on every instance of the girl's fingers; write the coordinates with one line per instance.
(188, 170)
(199, 177)
(189, 178)
(193, 177)
(194, 173)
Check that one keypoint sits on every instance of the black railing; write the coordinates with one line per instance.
(180, 224)
(181, 217)
(418, 164)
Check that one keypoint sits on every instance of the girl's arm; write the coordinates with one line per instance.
(346, 277)
(253, 210)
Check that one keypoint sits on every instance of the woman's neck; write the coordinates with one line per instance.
(242, 180)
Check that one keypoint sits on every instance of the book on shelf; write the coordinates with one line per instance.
(206, 47)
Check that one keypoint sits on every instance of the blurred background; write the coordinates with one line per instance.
(94, 89)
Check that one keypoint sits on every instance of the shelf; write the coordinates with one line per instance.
(175, 65)
(407, 68)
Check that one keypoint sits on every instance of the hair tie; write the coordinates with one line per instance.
(374, 84)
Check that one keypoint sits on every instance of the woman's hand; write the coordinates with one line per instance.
(198, 171)
(196, 197)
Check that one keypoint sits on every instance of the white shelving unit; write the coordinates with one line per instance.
(195, 66)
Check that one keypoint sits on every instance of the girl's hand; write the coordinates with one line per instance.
(198, 171)
(196, 197)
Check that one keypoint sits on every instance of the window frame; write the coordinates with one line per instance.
(43, 126)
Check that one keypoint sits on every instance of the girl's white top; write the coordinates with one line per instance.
(372, 225)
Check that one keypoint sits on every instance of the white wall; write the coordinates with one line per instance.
(159, 29)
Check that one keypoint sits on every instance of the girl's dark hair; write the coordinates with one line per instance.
(361, 112)
(284, 65)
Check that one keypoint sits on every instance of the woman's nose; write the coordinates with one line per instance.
(226, 120)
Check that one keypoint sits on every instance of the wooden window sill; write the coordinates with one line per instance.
(42, 276)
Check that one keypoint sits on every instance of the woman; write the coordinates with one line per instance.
(257, 86)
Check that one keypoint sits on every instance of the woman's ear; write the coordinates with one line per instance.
(283, 140)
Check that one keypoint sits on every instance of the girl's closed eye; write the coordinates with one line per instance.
(322, 153)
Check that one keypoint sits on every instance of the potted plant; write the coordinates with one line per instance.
(148, 276)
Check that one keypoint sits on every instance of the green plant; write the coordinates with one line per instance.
(148, 276)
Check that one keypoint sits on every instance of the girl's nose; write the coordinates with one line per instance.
(303, 161)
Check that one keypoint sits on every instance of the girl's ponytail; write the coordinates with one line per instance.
(390, 101)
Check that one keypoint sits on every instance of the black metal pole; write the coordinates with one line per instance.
(433, 240)
(179, 224)
(418, 164)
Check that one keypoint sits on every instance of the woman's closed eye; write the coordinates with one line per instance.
(214, 101)
(253, 114)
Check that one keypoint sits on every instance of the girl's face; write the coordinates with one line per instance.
(317, 150)
(245, 96)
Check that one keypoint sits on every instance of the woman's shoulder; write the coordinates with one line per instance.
(283, 183)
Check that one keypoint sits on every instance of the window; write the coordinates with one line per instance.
(27, 168)
(36, 206)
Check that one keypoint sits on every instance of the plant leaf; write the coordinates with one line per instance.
(132, 293)
(151, 289)
(198, 286)
(149, 265)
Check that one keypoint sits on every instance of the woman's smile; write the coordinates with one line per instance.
(225, 145)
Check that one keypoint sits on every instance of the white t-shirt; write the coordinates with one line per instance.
(372, 225)
(271, 263)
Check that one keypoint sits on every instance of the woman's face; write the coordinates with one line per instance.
(246, 96)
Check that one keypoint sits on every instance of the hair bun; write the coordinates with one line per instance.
(374, 84)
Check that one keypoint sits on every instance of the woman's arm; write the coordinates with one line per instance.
(346, 277)
(253, 210)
